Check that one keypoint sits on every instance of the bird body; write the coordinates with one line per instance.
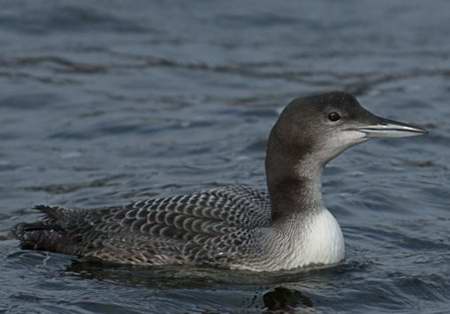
(228, 227)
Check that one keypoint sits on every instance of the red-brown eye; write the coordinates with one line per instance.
(334, 116)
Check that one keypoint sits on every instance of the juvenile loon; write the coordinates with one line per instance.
(234, 227)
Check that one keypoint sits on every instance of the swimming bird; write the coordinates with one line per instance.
(234, 227)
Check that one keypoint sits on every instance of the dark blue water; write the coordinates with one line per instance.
(104, 102)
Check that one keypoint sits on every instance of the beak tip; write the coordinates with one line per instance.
(420, 131)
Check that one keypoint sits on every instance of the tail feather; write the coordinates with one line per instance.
(47, 234)
(39, 236)
(52, 213)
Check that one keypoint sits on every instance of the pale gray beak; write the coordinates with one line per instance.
(382, 128)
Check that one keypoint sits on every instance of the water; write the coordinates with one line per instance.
(107, 102)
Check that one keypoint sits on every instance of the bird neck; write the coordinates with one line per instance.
(293, 179)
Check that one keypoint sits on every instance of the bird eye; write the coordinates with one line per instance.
(334, 116)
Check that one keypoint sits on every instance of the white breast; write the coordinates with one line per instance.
(312, 240)
(318, 241)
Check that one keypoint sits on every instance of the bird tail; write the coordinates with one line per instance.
(47, 234)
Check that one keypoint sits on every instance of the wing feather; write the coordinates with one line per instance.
(209, 227)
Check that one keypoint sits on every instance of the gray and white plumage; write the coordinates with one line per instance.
(211, 227)
(234, 227)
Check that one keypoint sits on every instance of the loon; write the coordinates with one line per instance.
(232, 227)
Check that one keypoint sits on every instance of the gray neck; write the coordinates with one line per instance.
(293, 178)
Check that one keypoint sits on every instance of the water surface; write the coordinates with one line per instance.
(106, 102)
